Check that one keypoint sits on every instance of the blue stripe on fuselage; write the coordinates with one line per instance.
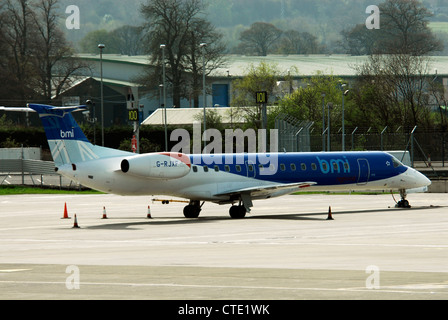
(328, 168)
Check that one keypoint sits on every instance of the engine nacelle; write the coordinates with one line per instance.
(166, 165)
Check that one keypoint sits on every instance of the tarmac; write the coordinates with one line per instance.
(285, 249)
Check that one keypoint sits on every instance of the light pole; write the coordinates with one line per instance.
(162, 46)
(101, 47)
(344, 93)
(202, 46)
(323, 121)
(329, 105)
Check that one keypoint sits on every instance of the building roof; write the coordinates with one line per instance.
(307, 65)
(187, 116)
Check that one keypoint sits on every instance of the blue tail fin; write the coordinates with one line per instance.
(67, 142)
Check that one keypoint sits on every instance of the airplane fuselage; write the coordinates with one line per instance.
(212, 175)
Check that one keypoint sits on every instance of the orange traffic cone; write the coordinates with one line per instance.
(65, 212)
(330, 217)
(149, 213)
(75, 225)
(104, 213)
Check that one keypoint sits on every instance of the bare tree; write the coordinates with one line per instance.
(17, 35)
(180, 26)
(404, 24)
(404, 30)
(295, 42)
(396, 88)
(259, 38)
(39, 59)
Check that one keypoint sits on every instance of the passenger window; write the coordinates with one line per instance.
(251, 167)
(205, 169)
(303, 166)
(261, 168)
(335, 166)
(227, 168)
(195, 169)
(272, 168)
(324, 166)
(282, 167)
(238, 168)
(293, 167)
(216, 168)
(313, 166)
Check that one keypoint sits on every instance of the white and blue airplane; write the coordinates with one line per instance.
(220, 178)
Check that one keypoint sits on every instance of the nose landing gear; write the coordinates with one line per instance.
(403, 203)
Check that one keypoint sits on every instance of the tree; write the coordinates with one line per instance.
(17, 35)
(260, 38)
(38, 59)
(404, 24)
(126, 40)
(179, 25)
(403, 30)
(306, 102)
(263, 77)
(295, 42)
(359, 40)
(395, 88)
(52, 58)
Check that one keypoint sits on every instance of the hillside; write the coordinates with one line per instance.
(323, 18)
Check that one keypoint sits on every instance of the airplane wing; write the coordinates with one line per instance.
(267, 190)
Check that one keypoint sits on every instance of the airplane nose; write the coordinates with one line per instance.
(423, 180)
(420, 179)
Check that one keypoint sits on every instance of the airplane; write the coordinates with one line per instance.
(235, 179)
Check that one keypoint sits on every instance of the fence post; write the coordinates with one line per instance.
(353, 139)
(382, 132)
(22, 166)
(412, 146)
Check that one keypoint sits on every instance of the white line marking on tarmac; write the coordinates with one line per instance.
(130, 284)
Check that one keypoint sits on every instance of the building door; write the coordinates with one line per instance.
(221, 95)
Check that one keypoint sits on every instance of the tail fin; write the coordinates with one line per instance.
(67, 142)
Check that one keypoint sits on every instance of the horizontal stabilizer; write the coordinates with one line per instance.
(42, 108)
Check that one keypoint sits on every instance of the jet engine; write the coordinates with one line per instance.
(166, 165)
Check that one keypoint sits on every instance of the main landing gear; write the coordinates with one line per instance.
(237, 212)
(193, 209)
(403, 203)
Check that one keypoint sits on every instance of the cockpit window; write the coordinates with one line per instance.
(396, 162)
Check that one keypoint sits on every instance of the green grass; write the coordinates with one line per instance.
(16, 190)
(439, 26)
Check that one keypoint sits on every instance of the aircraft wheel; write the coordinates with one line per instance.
(191, 211)
(237, 212)
(403, 204)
